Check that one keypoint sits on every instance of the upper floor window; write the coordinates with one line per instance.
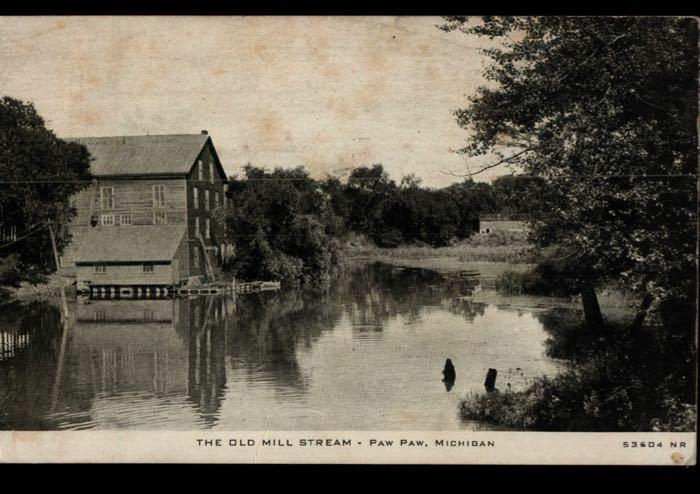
(196, 197)
(107, 219)
(196, 226)
(200, 170)
(216, 199)
(159, 218)
(107, 197)
(206, 200)
(100, 268)
(206, 227)
(148, 267)
(158, 196)
(211, 172)
(125, 219)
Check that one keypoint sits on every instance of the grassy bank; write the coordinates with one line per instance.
(482, 254)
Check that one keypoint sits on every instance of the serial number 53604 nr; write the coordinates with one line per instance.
(652, 444)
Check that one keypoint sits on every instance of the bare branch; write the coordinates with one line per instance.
(492, 165)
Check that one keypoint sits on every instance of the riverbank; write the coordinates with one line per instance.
(613, 381)
(28, 291)
(489, 261)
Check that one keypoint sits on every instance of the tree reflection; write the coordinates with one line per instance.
(30, 336)
(121, 363)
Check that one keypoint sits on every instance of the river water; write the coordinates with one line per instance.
(366, 354)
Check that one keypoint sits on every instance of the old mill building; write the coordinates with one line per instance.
(146, 219)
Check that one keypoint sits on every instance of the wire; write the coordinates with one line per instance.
(25, 235)
(321, 181)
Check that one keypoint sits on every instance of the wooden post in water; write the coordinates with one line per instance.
(490, 383)
(64, 301)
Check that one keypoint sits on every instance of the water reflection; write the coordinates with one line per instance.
(365, 354)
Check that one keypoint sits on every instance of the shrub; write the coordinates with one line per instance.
(606, 393)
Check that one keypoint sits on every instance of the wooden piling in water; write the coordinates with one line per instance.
(490, 382)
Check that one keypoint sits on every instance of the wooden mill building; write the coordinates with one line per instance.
(146, 220)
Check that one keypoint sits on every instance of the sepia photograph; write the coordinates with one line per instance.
(348, 239)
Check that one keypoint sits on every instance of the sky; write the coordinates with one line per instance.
(328, 93)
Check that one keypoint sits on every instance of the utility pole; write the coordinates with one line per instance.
(64, 301)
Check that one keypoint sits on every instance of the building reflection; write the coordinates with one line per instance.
(202, 322)
(150, 349)
(121, 363)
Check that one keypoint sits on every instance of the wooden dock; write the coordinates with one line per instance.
(170, 291)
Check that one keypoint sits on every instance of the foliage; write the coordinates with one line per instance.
(520, 195)
(602, 111)
(607, 390)
(390, 214)
(279, 223)
(38, 174)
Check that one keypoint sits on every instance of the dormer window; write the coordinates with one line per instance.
(200, 170)
(211, 172)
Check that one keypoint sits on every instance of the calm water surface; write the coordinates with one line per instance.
(367, 354)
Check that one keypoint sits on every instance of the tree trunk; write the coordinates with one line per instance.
(641, 314)
(591, 308)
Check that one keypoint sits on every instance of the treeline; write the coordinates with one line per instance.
(391, 214)
(286, 225)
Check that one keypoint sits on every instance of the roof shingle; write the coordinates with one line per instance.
(136, 243)
(143, 155)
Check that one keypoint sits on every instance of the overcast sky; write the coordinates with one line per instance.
(326, 93)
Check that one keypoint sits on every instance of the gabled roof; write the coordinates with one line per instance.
(143, 155)
(137, 243)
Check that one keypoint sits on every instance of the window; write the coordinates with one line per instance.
(107, 197)
(159, 218)
(148, 267)
(196, 226)
(107, 219)
(196, 198)
(206, 200)
(211, 172)
(206, 227)
(125, 219)
(200, 170)
(158, 196)
(216, 199)
(100, 269)
(195, 256)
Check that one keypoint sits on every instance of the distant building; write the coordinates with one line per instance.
(146, 218)
(490, 223)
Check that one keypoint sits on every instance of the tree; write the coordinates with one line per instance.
(371, 194)
(472, 200)
(38, 174)
(277, 223)
(519, 195)
(603, 111)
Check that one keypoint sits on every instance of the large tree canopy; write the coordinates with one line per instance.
(603, 111)
(278, 222)
(38, 174)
